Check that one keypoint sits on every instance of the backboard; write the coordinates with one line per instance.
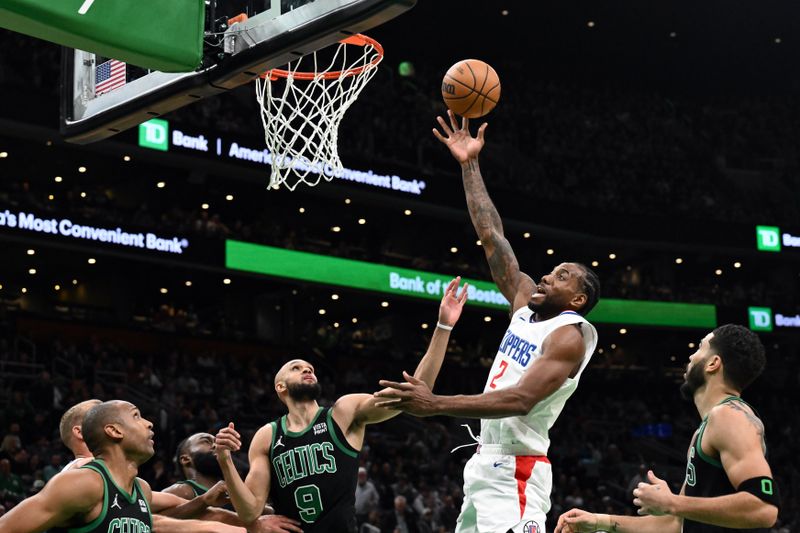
(99, 100)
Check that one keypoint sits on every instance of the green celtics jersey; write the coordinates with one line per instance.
(122, 512)
(314, 475)
(196, 487)
(706, 478)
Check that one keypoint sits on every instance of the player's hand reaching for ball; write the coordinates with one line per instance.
(452, 302)
(461, 143)
(227, 440)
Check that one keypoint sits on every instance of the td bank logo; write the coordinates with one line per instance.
(760, 318)
(768, 238)
(154, 134)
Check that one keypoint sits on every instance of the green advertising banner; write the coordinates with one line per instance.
(646, 313)
(355, 274)
(166, 36)
(387, 279)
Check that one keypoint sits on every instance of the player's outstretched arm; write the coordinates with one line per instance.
(161, 502)
(514, 284)
(562, 352)
(579, 521)
(354, 411)
(69, 494)
(207, 506)
(736, 434)
(265, 524)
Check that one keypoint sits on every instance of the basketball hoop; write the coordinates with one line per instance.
(301, 119)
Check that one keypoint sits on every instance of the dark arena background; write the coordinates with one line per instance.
(655, 141)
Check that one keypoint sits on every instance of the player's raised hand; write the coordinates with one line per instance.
(577, 521)
(461, 143)
(227, 440)
(452, 302)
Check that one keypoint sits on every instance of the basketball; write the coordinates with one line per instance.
(471, 88)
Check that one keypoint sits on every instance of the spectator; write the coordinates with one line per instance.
(402, 519)
(11, 489)
(366, 496)
(53, 468)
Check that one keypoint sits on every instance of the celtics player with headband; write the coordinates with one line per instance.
(728, 485)
(306, 462)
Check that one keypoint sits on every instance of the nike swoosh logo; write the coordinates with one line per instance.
(498, 464)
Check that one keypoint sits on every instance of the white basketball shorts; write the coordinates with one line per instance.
(505, 492)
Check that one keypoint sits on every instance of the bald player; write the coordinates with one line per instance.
(168, 505)
(307, 461)
(103, 493)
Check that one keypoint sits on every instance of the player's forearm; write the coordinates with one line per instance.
(190, 509)
(242, 498)
(499, 254)
(222, 515)
(494, 404)
(163, 524)
(29, 516)
(431, 363)
(740, 510)
(638, 524)
(482, 211)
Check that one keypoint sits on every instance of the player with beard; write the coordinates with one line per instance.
(542, 355)
(198, 464)
(172, 511)
(307, 461)
(728, 485)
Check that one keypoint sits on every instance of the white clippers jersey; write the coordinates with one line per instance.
(520, 347)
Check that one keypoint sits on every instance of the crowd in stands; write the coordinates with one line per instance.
(388, 237)
(618, 424)
(605, 147)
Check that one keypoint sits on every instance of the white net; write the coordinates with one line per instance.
(301, 111)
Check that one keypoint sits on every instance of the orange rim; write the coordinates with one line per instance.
(356, 39)
(241, 17)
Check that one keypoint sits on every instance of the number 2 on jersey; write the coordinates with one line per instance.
(503, 367)
(309, 502)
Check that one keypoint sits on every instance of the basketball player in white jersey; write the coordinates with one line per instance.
(541, 357)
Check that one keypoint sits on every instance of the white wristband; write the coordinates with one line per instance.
(444, 326)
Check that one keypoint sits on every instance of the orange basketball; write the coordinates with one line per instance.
(471, 88)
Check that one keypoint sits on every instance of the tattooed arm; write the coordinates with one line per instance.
(515, 285)
(733, 435)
